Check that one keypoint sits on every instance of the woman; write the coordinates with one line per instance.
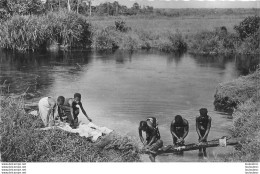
(48, 107)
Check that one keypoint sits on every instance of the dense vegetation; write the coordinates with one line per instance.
(243, 95)
(33, 25)
(22, 142)
(36, 32)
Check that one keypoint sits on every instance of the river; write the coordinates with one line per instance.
(119, 89)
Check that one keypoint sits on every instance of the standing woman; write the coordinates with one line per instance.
(48, 107)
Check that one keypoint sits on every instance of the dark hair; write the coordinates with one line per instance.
(203, 111)
(77, 95)
(178, 119)
(143, 124)
(61, 99)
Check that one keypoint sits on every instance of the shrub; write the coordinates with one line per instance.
(248, 27)
(171, 43)
(106, 39)
(121, 26)
(130, 42)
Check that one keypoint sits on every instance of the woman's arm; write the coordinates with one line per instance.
(84, 112)
(186, 130)
(208, 129)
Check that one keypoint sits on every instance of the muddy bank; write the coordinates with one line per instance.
(230, 94)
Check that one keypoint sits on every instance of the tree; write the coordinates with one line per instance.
(68, 5)
(116, 6)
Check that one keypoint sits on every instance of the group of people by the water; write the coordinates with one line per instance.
(67, 110)
(63, 109)
(179, 129)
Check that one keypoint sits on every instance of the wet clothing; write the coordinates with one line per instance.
(44, 108)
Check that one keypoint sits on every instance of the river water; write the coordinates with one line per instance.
(119, 89)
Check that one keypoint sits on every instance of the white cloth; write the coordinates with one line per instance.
(89, 130)
(44, 108)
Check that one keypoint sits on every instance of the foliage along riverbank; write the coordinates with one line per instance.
(68, 30)
(21, 142)
(242, 96)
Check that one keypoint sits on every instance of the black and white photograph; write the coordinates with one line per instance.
(129, 81)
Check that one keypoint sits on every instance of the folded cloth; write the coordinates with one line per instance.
(89, 130)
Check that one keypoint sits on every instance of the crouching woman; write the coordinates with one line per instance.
(152, 142)
(48, 109)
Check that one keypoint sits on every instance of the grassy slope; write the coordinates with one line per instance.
(21, 142)
(229, 94)
(246, 124)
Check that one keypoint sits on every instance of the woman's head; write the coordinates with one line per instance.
(178, 119)
(203, 112)
(60, 100)
(143, 125)
(77, 97)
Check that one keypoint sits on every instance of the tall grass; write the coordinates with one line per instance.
(246, 127)
(243, 93)
(22, 142)
(230, 94)
(38, 32)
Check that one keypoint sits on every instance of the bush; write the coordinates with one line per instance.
(121, 26)
(171, 43)
(106, 39)
(248, 27)
(218, 42)
(37, 32)
(230, 94)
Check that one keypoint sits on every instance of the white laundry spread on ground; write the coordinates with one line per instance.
(89, 130)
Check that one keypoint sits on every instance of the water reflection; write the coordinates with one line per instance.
(121, 88)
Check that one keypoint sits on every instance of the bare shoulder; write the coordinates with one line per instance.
(186, 121)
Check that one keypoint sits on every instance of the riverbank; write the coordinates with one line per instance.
(230, 95)
(68, 30)
(21, 142)
(242, 97)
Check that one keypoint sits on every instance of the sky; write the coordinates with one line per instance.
(188, 3)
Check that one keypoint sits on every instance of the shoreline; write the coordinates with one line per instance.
(241, 96)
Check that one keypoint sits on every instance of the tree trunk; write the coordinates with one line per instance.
(77, 6)
(89, 3)
(68, 4)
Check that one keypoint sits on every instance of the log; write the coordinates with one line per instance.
(189, 147)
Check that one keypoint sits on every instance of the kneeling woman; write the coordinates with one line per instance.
(48, 109)
(153, 142)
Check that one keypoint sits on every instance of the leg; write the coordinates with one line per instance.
(204, 149)
(152, 157)
(153, 149)
(202, 133)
